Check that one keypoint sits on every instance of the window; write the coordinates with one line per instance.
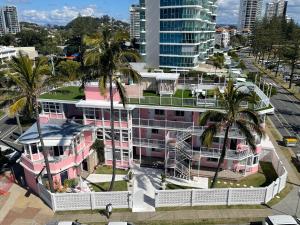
(34, 149)
(156, 150)
(118, 154)
(77, 140)
(90, 113)
(50, 107)
(179, 113)
(124, 135)
(215, 140)
(159, 112)
(255, 160)
(58, 150)
(154, 131)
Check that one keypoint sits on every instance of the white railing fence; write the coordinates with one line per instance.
(85, 201)
(226, 196)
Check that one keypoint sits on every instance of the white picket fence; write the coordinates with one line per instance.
(226, 196)
(173, 198)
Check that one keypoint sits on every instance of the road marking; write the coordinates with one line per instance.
(282, 124)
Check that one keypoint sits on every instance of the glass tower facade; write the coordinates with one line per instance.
(186, 32)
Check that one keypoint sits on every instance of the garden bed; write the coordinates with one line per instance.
(108, 170)
(102, 187)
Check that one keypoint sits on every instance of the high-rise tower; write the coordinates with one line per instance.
(135, 22)
(9, 22)
(250, 11)
(177, 33)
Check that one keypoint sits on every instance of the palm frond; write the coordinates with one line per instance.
(103, 85)
(17, 107)
(131, 73)
(209, 133)
(121, 91)
(250, 114)
(244, 128)
(211, 115)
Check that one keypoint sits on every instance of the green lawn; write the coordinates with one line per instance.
(150, 93)
(185, 93)
(108, 170)
(174, 187)
(118, 186)
(65, 93)
(263, 178)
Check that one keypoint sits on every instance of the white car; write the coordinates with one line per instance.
(281, 220)
(64, 223)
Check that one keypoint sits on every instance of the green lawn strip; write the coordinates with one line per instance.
(65, 93)
(281, 195)
(263, 178)
(102, 187)
(89, 211)
(108, 170)
(175, 187)
(211, 207)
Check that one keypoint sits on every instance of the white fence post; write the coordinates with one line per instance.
(229, 196)
(192, 197)
(53, 201)
(92, 194)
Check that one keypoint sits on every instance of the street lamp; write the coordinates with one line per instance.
(297, 203)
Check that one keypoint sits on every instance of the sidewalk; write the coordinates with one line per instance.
(195, 215)
(24, 208)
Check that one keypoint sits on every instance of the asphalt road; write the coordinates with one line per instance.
(287, 107)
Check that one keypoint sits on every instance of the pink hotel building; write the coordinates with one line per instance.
(159, 126)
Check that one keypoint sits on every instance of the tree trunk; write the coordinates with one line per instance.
(112, 125)
(44, 151)
(19, 124)
(292, 74)
(221, 160)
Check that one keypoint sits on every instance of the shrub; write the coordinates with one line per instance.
(98, 146)
(163, 177)
(71, 183)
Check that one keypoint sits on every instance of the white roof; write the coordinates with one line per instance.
(100, 104)
(161, 76)
(282, 220)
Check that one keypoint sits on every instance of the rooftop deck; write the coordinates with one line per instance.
(71, 93)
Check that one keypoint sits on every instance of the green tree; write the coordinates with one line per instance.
(30, 79)
(69, 70)
(109, 60)
(245, 119)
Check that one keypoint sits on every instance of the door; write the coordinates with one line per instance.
(85, 165)
(233, 144)
(64, 176)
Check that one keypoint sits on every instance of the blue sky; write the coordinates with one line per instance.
(62, 11)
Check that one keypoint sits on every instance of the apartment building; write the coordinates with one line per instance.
(222, 38)
(9, 22)
(158, 127)
(135, 22)
(249, 12)
(276, 8)
(177, 34)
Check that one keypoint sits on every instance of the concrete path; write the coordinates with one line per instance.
(201, 183)
(145, 182)
(176, 215)
(98, 178)
(24, 208)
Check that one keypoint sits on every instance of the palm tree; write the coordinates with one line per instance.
(30, 79)
(110, 61)
(245, 119)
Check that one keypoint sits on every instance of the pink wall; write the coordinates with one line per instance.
(93, 93)
(30, 180)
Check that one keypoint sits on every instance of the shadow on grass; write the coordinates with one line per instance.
(269, 172)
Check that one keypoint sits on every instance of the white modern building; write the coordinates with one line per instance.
(9, 22)
(222, 38)
(135, 22)
(6, 53)
(276, 8)
(177, 34)
(250, 11)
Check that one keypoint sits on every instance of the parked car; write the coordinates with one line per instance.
(281, 220)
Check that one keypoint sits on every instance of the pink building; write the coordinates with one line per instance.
(158, 127)
(68, 146)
